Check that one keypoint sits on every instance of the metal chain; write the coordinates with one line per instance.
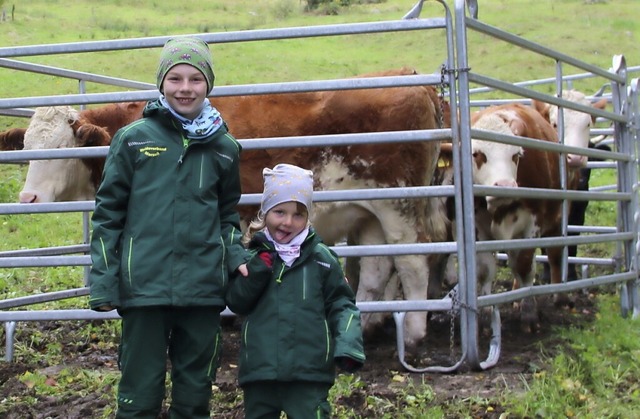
(455, 310)
(456, 305)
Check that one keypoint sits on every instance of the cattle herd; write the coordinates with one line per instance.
(361, 166)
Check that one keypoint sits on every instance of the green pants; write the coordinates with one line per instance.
(191, 338)
(298, 399)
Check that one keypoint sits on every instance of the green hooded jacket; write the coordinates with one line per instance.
(300, 320)
(165, 226)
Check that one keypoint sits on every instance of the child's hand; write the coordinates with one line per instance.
(243, 270)
(105, 307)
(267, 258)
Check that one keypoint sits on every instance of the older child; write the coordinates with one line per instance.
(301, 320)
(166, 238)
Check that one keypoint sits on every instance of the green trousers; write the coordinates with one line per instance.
(190, 336)
(298, 399)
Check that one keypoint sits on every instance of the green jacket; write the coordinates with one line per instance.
(165, 226)
(299, 320)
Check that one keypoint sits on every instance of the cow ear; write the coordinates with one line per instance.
(601, 104)
(517, 126)
(135, 108)
(542, 108)
(89, 135)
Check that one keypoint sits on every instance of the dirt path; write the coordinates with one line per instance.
(382, 375)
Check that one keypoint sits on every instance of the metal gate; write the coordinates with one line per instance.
(461, 83)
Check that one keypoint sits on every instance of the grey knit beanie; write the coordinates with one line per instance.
(186, 50)
(285, 183)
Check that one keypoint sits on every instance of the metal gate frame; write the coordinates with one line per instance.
(458, 77)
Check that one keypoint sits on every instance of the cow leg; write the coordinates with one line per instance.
(374, 277)
(439, 266)
(486, 271)
(352, 266)
(577, 214)
(521, 263)
(372, 274)
(413, 273)
(546, 272)
(555, 264)
(486, 263)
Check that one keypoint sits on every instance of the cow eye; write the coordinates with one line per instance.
(479, 157)
(516, 158)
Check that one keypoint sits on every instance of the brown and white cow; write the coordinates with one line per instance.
(64, 127)
(279, 115)
(520, 218)
(499, 169)
(577, 126)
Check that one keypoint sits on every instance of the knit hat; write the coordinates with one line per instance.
(186, 50)
(286, 183)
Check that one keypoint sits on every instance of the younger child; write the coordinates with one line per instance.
(301, 320)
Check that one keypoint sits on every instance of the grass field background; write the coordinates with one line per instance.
(593, 31)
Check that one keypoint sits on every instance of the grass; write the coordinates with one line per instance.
(594, 374)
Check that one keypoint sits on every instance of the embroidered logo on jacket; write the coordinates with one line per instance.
(152, 151)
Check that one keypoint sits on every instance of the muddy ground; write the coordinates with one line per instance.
(521, 356)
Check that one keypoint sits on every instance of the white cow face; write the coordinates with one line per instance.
(495, 164)
(577, 125)
(59, 179)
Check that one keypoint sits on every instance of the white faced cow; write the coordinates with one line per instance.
(521, 218)
(577, 125)
(279, 115)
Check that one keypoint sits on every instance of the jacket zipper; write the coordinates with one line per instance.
(185, 144)
(279, 278)
(129, 258)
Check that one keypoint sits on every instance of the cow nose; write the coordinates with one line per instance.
(576, 160)
(28, 198)
(506, 183)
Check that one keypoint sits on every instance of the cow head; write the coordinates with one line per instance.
(496, 164)
(12, 139)
(577, 125)
(60, 179)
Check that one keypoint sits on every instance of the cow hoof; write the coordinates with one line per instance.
(529, 318)
(563, 301)
(529, 327)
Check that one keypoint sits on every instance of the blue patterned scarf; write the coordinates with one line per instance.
(205, 124)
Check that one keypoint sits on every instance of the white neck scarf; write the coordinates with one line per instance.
(289, 252)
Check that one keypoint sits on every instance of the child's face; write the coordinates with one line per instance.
(185, 88)
(285, 221)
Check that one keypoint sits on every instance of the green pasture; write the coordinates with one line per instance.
(591, 30)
